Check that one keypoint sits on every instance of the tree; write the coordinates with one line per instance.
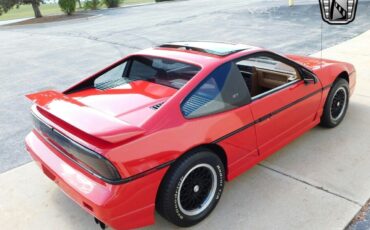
(91, 4)
(67, 6)
(6, 5)
(111, 3)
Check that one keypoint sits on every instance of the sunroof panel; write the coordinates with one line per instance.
(216, 48)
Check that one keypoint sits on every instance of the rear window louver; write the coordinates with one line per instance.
(110, 84)
(157, 106)
(194, 103)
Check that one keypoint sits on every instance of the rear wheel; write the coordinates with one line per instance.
(336, 104)
(191, 188)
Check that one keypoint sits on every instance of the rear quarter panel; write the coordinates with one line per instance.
(180, 135)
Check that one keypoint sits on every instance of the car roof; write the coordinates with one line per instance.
(221, 49)
(199, 53)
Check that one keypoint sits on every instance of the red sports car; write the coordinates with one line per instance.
(164, 128)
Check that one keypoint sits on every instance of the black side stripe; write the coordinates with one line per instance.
(327, 86)
(142, 174)
(152, 170)
(267, 116)
(234, 132)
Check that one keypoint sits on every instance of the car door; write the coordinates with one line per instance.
(284, 104)
(220, 108)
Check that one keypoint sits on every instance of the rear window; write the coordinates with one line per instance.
(161, 71)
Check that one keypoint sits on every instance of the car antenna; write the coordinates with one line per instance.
(321, 46)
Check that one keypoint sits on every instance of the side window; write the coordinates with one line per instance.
(263, 73)
(222, 90)
(111, 77)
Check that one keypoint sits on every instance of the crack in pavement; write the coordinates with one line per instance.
(88, 37)
(310, 184)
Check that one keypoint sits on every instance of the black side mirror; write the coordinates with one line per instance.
(308, 81)
(308, 77)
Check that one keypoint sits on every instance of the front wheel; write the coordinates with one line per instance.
(336, 104)
(191, 188)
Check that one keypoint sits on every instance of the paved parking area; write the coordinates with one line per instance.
(56, 55)
(319, 181)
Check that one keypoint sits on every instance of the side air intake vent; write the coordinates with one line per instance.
(155, 107)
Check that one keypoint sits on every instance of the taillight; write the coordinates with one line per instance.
(85, 157)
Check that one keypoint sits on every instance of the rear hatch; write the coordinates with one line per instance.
(133, 102)
(112, 115)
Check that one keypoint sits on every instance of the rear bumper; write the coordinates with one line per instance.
(121, 206)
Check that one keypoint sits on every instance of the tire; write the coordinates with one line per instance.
(191, 188)
(336, 104)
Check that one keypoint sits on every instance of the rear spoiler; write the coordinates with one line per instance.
(84, 118)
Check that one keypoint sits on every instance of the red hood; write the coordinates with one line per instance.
(314, 63)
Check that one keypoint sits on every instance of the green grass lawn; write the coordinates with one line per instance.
(25, 11)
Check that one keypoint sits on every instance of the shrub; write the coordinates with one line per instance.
(91, 4)
(67, 6)
(111, 3)
(162, 0)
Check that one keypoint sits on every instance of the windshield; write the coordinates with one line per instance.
(161, 71)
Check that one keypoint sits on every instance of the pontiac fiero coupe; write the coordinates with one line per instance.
(164, 128)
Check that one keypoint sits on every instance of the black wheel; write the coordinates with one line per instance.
(336, 104)
(191, 188)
